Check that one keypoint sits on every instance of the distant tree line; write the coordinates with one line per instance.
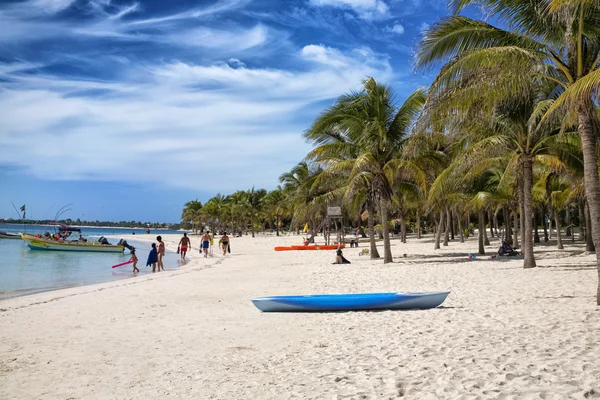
(79, 222)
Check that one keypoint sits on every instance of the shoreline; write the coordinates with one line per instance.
(194, 333)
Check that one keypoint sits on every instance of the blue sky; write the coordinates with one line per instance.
(128, 109)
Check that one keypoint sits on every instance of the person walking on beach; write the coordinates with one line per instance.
(224, 242)
(161, 253)
(211, 239)
(152, 257)
(135, 261)
(184, 243)
(205, 243)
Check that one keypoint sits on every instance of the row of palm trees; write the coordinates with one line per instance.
(509, 127)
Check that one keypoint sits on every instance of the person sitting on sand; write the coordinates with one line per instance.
(135, 261)
(152, 257)
(506, 250)
(184, 243)
(339, 257)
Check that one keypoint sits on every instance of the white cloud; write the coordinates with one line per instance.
(235, 63)
(175, 122)
(366, 9)
(324, 55)
(45, 6)
(232, 40)
(397, 29)
(424, 26)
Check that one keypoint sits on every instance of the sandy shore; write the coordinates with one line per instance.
(504, 332)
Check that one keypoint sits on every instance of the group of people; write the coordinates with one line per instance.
(206, 244)
(155, 257)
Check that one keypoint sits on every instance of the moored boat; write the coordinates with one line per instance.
(350, 302)
(42, 243)
(6, 235)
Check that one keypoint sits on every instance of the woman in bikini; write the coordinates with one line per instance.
(161, 253)
(224, 242)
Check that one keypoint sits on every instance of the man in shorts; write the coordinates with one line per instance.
(205, 243)
(184, 244)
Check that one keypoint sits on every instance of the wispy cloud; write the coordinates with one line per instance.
(172, 116)
(366, 9)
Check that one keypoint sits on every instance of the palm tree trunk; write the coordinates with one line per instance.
(589, 246)
(544, 224)
(403, 229)
(520, 188)
(588, 130)
(516, 229)
(550, 224)
(438, 234)
(277, 224)
(387, 251)
(467, 225)
(558, 237)
(371, 224)
(527, 214)
(508, 232)
(460, 229)
(481, 230)
(486, 241)
(581, 220)
(491, 220)
(496, 228)
(447, 226)
(418, 223)
(451, 225)
(536, 233)
(568, 221)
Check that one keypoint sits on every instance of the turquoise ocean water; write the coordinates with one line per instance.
(24, 271)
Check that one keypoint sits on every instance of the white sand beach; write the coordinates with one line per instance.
(192, 333)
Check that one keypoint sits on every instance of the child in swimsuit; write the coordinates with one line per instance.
(135, 261)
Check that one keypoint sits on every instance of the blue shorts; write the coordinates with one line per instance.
(205, 245)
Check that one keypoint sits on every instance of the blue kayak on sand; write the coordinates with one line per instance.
(350, 302)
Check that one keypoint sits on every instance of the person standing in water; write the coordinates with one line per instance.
(152, 257)
(224, 242)
(205, 243)
(161, 253)
(184, 243)
(134, 259)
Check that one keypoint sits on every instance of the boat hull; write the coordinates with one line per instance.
(35, 243)
(4, 235)
(351, 302)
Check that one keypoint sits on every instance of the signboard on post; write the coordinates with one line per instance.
(334, 211)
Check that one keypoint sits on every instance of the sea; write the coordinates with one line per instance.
(24, 271)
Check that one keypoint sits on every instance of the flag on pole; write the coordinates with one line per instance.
(23, 209)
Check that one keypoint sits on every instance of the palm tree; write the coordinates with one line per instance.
(554, 42)
(254, 199)
(376, 132)
(191, 212)
(274, 203)
(302, 186)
